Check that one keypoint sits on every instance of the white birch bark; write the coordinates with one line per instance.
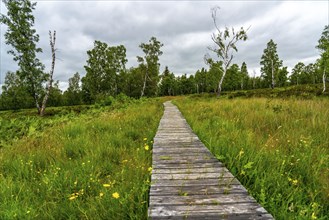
(50, 83)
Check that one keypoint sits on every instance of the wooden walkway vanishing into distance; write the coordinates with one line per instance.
(188, 182)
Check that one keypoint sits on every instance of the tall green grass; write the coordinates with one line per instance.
(95, 167)
(278, 149)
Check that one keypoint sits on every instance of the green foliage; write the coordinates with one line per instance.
(297, 71)
(302, 74)
(202, 79)
(23, 38)
(271, 64)
(208, 80)
(308, 91)
(73, 94)
(323, 46)
(233, 78)
(95, 166)
(132, 82)
(185, 85)
(103, 67)
(244, 76)
(15, 125)
(15, 94)
(276, 148)
(168, 83)
(56, 97)
(149, 64)
(282, 77)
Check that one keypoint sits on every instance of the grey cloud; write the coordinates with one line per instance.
(184, 27)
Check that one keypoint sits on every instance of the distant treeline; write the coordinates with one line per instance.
(106, 74)
(130, 83)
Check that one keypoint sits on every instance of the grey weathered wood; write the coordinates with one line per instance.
(188, 182)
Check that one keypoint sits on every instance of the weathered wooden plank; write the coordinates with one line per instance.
(182, 161)
(216, 216)
(176, 154)
(197, 182)
(189, 176)
(184, 165)
(204, 210)
(191, 170)
(180, 146)
(203, 199)
(182, 157)
(180, 149)
(188, 182)
(197, 190)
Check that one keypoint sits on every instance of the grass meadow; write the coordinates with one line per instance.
(94, 162)
(277, 148)
(94, 165)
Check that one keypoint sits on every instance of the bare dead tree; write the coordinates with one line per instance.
(50, 82)
(225, 44)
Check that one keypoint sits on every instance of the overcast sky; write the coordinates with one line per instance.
(184, 27)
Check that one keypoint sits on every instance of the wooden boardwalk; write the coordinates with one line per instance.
(188, 182)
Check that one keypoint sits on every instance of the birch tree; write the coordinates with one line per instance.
(244, 75)
(103, 68)
(23, 38)
(323, 46)
(52, 40)
(225, 45)
(270, 64)
(150, 65)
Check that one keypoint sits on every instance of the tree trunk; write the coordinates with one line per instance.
(221, 82)
(144, 85)
(50, 83)
(272, 85)
(37, 103)
(324, 80)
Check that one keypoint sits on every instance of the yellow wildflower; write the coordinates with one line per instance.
(146, 147)
(115, 195)
(241, 152)
(106, 185)
(101, 194)
(294, 182)
(73, 197)
(315, 205)
(145, 139)
(150, 169)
